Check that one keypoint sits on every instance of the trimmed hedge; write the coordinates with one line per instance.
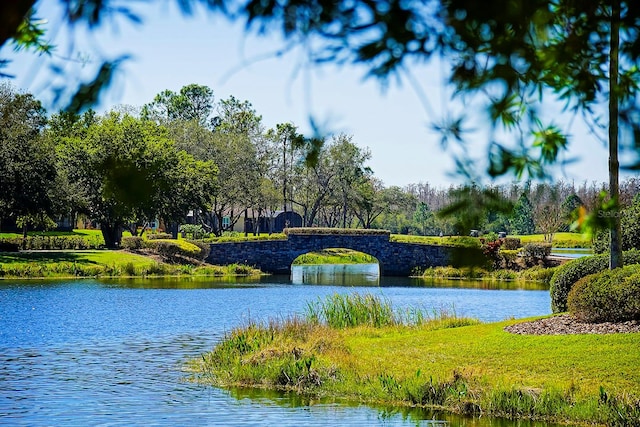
(132, 243)
(345, 231)
(159, 236)
(171, 249)
(607, 296)
(568, 274)
(47, 243)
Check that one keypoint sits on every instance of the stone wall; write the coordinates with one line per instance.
(276, 256)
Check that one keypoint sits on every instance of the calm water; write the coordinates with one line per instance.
(111, 352)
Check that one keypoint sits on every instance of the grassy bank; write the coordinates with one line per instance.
(335, 256)
(105, 263)
(439, 361)
(560, 240)
(537, 274)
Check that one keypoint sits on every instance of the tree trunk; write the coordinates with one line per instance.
(615, 248)
(112, 234)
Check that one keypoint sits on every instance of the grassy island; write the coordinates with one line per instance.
(358, 348)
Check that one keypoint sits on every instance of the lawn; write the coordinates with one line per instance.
(443, 362)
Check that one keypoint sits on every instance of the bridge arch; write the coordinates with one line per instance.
(277, 256)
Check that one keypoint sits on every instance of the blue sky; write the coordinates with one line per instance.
(169, 51)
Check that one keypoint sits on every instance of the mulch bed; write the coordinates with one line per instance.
(565, 324)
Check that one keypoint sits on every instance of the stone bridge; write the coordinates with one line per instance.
(276, 256)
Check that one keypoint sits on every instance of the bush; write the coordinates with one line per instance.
(173, 249)
(509, 258)
(511, 243)
(536, 253)
(194, 231)
(607, 296)
(46, 243)
(568, 274)
(343, 231)
(205, 249)
(132, 243)
(159, 236)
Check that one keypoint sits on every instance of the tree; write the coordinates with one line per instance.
(193, 103)
(28, 176)
(130, 174)
(288, 143)
(522, 219)
(586, 53)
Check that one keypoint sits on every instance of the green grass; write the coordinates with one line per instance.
(560, 240)
(105, 263)
(458, 366)
(537, 273)
(335, 256)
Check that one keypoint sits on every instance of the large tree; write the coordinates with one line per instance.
(28, 176)
(130, 173)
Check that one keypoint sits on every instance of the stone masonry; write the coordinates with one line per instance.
(276, 256)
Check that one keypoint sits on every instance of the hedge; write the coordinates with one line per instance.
(607, 296)
(45, 243)
(568, 274)
(344, 231)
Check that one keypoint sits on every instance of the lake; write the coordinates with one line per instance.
(111, 352)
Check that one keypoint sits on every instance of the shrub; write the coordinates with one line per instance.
(536, 253)
(509, 258)
(568, 274)
(194, 231)
(511, 243)
(205, 248)
(173, 249)
(607, 296)
(491, 250)
(158, 236)
(132, 243)
(35, 243)
(344, 231)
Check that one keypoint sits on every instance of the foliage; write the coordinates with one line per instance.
(536, 253)
(630, 227)
(156, 236)
(52, 242)
(607, 296)
(132, 243)
(173, 250)
(27, 160)
(568, 274)
(344, 231)
(511, 243)
(491, 250)
(240, 237)
(194, 231)
(119, 150)
(522, 218)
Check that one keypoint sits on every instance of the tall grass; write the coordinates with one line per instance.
(351, 310)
